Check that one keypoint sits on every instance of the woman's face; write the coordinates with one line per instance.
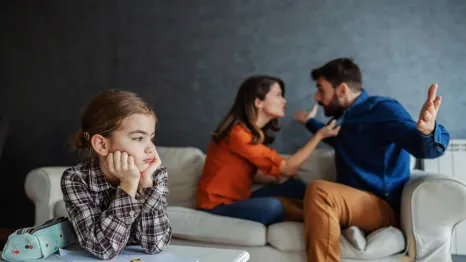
(274, 103)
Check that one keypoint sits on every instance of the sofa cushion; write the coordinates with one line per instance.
(319, 166)
(380, 243)
(198, 225)
(286, 236)
(356, 237)
(289, 236)
(184, 166)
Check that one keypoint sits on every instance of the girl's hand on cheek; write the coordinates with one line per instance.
(146, 176)
(122, 166)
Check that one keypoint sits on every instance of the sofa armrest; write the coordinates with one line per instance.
(432, 205)
(42, 187)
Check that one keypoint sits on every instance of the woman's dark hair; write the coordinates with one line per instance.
(244, 111)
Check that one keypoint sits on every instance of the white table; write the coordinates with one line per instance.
(201, 253)
(210, 254)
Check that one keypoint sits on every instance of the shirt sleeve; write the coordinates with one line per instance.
(266, 159)
(154, 230)
(314, 125)
(400, 128)
(104, 233)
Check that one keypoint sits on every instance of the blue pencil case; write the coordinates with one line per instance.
(39, 242)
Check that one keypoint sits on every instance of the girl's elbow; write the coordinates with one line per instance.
(161, 244)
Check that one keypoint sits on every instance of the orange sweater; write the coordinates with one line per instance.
(229, 169)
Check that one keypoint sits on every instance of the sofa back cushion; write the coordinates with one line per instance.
(184, 166)
(319, 166)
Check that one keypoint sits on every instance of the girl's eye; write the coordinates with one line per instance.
(138, 138)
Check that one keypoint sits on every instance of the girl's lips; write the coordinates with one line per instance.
(149, 160)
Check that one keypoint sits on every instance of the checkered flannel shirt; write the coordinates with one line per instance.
(106, 219)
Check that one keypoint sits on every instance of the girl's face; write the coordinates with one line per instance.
(274, 103)
(135, 137)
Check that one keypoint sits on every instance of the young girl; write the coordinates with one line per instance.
(118, 195)
(239, 149)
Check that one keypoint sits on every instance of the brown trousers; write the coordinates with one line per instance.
(329, 206)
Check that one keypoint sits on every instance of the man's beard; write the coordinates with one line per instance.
(334, 109)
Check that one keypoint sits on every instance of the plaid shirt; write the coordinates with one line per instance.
(106, 218)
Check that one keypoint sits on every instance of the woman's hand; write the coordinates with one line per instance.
(261, 178)
(328, 130)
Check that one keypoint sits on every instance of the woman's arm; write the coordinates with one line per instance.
(261, 178)
(290, 165)
(267, 160)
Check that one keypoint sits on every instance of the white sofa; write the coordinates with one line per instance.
(431, 206)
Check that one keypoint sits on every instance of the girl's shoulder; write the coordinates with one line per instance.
(80, 172)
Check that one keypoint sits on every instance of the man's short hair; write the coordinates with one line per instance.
(340, 70)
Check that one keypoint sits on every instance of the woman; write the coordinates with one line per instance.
(239, 154)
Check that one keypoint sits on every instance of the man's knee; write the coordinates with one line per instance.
(319, 192)
(319, 186)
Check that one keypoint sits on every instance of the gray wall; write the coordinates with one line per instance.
(187, 59)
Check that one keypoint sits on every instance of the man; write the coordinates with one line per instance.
(372, 151)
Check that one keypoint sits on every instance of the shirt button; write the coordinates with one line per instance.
(386, 194)
(141, 201)
(131, 213)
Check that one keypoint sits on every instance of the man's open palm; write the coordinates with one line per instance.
(426, 122)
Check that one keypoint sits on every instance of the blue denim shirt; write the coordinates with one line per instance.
(372, 149)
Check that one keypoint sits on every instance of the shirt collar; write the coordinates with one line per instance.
(361, 98)
(97, 180)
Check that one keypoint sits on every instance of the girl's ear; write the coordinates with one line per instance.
(100, 145)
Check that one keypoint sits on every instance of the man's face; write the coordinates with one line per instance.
(326, 96)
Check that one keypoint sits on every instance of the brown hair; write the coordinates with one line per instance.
(104, 114)
(244, 111)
